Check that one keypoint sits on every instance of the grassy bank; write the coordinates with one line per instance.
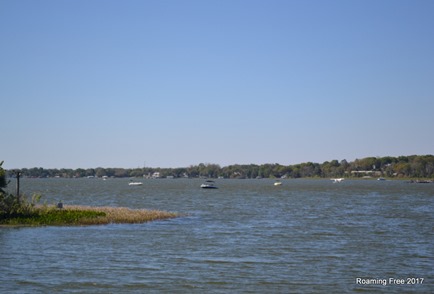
(74, 215)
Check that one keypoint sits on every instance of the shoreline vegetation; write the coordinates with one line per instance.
(17, 210)
(401, 167)
(78, 215)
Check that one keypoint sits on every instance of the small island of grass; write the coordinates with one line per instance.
(75, 215)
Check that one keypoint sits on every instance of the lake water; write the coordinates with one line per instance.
(248, 236)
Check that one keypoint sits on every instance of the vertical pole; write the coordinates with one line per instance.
(18, 174)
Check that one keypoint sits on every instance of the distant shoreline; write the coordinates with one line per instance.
(401, 167)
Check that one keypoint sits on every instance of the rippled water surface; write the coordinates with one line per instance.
(247, 236)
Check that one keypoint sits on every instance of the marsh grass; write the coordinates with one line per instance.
(123, 214)
(85, 215)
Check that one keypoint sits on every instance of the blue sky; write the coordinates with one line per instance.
(170, 83)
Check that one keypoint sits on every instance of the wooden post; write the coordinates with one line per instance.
(18, 174)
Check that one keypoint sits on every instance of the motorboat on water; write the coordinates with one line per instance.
(208, 185)
(338, 180)
(277, 183)
(135, 183)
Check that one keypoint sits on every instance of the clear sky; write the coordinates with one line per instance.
(168, 83)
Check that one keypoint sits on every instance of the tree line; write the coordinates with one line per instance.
(414, 166)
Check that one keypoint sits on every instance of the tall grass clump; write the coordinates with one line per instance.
(72, 215)
(20, 211)
(122, 214)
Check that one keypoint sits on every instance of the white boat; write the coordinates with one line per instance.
(208, 185)
(337, 180)
(135, 183)
(277, 183)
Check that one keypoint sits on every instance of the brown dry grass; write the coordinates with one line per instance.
(121, 214)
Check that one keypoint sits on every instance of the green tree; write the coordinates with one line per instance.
(137, 172)
(9, 204)
(3, 182)
(100, 172)
(402, 169)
